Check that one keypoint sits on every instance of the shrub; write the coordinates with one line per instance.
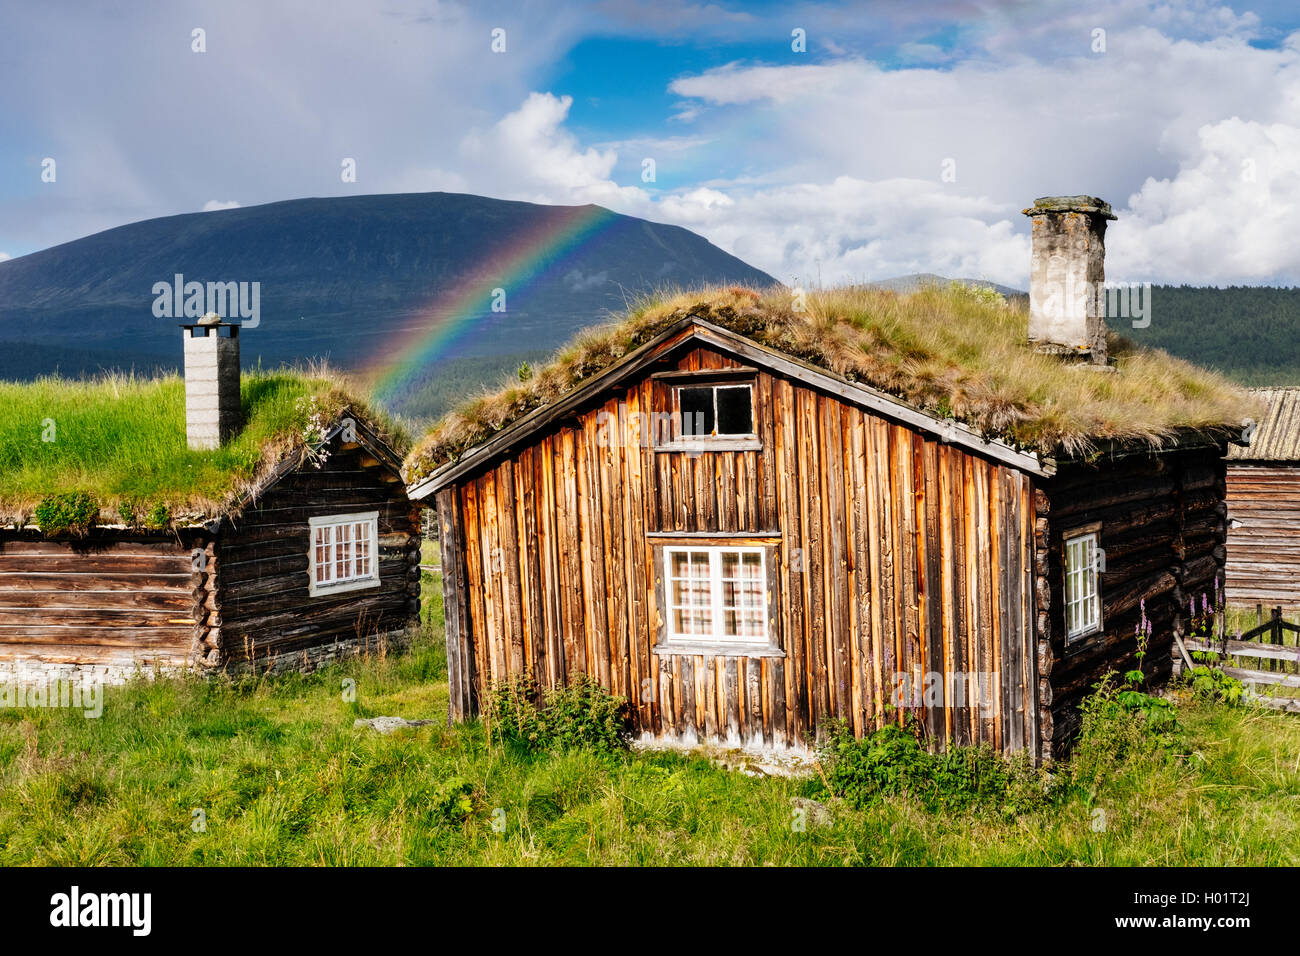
(581, 715)
(72, 512)
(1120, 724)
(128, 509)
(159, 517)
(453, 800)
(1210, 683)
(891, 761)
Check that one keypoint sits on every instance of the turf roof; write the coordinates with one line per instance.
(119, 438)
(950, 351)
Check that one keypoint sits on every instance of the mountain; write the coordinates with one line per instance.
(915, 280)
(354, 280)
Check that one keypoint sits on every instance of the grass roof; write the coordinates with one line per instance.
(122, 439)
(952, 351)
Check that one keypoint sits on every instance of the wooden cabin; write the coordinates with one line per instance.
(1264, 507)
(830, 554)
(314, 557)
(713, 511)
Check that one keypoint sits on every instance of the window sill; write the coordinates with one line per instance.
(683, 649)
(325, 590)
(700, 445)
(1079, 641)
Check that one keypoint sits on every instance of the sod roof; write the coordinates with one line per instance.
(951, 352)
(122, 439)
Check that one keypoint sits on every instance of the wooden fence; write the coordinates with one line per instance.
(1276, 663)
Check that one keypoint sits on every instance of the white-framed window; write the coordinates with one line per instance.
(1082, 589)
(715, 410)
(344, 552)
(716, 595)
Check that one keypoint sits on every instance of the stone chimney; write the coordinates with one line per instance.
(1067, 276)
(212, 411)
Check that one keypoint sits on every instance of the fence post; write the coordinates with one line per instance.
(1276, 635)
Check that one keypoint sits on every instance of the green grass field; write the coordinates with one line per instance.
(281, 777)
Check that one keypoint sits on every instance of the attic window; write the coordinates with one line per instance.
(344, 553)
(716, 411)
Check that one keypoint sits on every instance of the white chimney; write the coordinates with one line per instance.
(212, 410)
(1067, 276)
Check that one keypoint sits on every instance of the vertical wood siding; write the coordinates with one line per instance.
(895, 554)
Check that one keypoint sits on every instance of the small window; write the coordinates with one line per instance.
(1082, 593)
(716, 595)
(344, 553)
(708, 411)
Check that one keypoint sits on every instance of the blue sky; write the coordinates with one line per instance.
(904, 137)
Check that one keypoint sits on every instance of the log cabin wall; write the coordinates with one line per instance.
(259, 607)
(1160, 521)
(100, 606)
(1264, 534)
(887, 552)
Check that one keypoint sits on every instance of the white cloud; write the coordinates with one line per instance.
(528, 154)
(212, 205)
(1165, 129)
(1195, 143)
(1228, 215)
(847, 228)
(4, 256)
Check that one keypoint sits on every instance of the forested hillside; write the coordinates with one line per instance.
(1249, 333)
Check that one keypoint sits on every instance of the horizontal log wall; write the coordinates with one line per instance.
(896, 553)
(1264, 549)
(1162, 530)
(259, 607)
(105, 604)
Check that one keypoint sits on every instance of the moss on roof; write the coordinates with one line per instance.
(122, 439)
(952, 351)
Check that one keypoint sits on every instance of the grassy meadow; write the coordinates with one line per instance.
(281, 777)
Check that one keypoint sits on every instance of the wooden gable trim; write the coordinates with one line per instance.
(367, 439)
(694, 328)
(864, 396)
(537, 420)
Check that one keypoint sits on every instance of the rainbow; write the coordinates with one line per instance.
(517, 265)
